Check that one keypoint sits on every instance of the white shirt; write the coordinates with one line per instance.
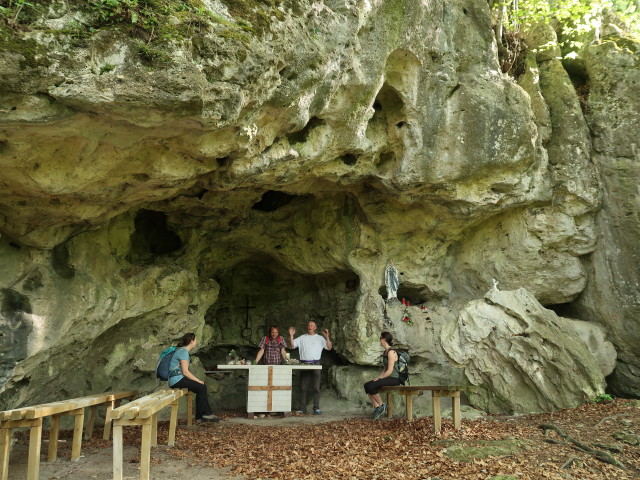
(310, 346)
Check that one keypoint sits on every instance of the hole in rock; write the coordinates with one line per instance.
(416, 294)
(272, 200)
(14, 303)
(141, 177)
(349, 159)
(389, 99)
(580, 80)
(223, 161)
(352, 285)
(301, 136)
(563, 310)
(152, 236)
(386, 158)
(60, 261)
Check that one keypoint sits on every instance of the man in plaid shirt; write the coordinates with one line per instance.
(273, 348)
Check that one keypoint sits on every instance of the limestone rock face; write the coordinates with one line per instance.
(595, 338)
(263, 165)
(612, 296)
(524, 357)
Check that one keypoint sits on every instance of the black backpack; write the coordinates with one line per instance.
(162, 369)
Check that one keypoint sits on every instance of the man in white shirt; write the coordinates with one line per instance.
(310, 347)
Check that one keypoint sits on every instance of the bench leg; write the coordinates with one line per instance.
(145, 450)
(154, 430)
(437, 411)
(409, 402)
(117, 452)
(35, 438)
(190, 408)
(5, 449)
(107, 418)
(389, 405)
(173, 424)
(77, 433)
(54, 433)
(90, 421)
(455, 410)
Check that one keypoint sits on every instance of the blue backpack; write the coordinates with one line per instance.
(162, 369)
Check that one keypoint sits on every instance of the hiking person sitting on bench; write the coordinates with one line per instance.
(387, 378)
(181, 377)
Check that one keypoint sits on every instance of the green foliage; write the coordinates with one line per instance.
(152, 55)
(156, 25)
(603, 398)
(576, 23)
(574, 20)
(106, 68)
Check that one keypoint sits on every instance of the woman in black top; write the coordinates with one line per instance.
(388, 377)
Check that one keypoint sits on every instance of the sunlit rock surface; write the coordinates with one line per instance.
(523, 357)
(268, 177)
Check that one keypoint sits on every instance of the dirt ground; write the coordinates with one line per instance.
(352, 446)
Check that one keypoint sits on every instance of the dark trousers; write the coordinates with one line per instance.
(374, 387)
(200, 389)
(308, 377)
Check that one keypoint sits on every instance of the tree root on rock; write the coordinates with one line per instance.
(599, 454)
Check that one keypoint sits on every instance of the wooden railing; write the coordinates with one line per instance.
(32, 418)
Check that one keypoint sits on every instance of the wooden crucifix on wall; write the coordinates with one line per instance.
(246, 331)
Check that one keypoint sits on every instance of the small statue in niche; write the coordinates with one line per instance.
(391, 280)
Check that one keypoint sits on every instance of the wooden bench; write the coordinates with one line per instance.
(437, 392)
(144, 412)
(32, 418)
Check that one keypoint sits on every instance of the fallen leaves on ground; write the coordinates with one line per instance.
(364, 449)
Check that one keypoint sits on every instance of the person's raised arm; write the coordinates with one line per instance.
(292, 344)
(184, 366)
(325, 333)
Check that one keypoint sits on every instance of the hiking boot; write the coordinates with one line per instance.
(379, 411)
(317, 411)
(209, 418)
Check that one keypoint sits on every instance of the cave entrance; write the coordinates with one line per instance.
(259, 292)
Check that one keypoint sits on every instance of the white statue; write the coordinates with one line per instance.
(391, 280)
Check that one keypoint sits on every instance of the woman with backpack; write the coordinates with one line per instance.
(272, 348)
(181, 377)
(390, 376)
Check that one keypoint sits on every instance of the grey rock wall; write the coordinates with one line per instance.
(279, 168)
(612, 294)
(523, 357)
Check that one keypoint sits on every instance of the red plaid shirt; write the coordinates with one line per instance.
(272, 350)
